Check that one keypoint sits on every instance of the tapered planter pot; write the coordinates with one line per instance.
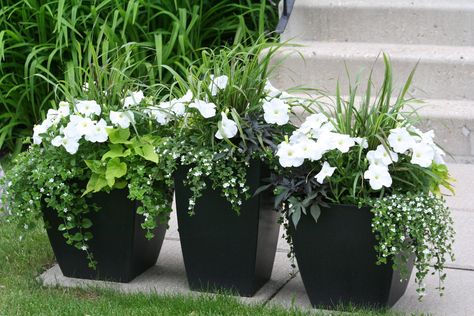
(224, 251)
(118, 245)
(337, 260)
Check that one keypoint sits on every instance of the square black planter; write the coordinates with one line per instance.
(119, 244)
(224, 251)
(337, 260)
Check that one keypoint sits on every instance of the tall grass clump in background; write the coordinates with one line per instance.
(40, 41)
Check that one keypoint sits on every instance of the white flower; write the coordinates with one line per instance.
(326, 171)
(37, 131)
(438, 155)
(400, 140)
(378, 177)
(71, 145)
(71, 131)
(308, 149)
(218, 83)
(228, 128)
(207, 109)
(343, 142)
(297, 136)
(313, 122)
(88, 107)
(362, 142)
(134, 98)
(288, 155)
(271, 91)
(122, 119)
(84, 126)
(52, 118)
(381, 156)
(98, 132)
(64, 109)
(423, 155)
(188, 97)
(276, 112)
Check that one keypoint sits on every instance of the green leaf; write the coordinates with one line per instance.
(295, 217)
(148, 152)
(86, 223)
(119, 136)
(116, 151)
(96, 166)
(120, 184)
(115, 169)
(96, 183)
(315, 211)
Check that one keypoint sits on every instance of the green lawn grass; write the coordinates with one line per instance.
(21, 261)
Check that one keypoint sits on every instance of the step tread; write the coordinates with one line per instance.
(363, 50)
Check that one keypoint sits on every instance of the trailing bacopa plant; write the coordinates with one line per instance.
(87, 146)
(370, 154)
(227, 114)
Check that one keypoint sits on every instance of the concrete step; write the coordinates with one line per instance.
(440, 22)
(443, 72)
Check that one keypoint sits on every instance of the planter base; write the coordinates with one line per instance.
(336, 258)
(119, 244)
(224, 251)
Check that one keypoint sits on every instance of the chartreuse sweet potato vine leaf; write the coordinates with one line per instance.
(115, 169)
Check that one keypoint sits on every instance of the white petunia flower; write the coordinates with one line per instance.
(297, 136)
(276, 112)
(218, 83)
(288, 155)
(438, 155)
(84, 126)
(228, 128)
(343, 142)
(308, 149)
(400, 140)
(98, 132)
(378, 177)
(88, 107)
(134, 98)
(271, 91)
(71, 145)
(64, 109)
(207, 109)
(313, 122)
(37, 131)
(188, 97)
(423, 155)
(122, 119)
(381, 156)
(71, 131)
(326, 171)
(362, 142)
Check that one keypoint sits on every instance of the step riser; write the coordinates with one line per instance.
(313, 21)
(433, 79)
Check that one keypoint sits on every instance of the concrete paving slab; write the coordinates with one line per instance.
(168, 276)
(457, 300)
(464, 186)
(463, 244)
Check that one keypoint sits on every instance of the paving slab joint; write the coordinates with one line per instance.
(292, 275)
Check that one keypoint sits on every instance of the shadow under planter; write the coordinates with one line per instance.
(119, 244)
(337, 260)
(222, 250)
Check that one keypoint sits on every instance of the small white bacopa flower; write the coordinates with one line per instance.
(227, 128)
(218, 83)
(288, 155)
(122, 119)
(88, 107)
(378, 177)
(326, 171)
(423, 155)
(134, 98)
(207, 109)
(276, 112)
(400, 140)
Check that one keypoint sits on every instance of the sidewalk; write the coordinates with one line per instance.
(286, 288)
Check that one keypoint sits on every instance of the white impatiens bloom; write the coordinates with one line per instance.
(122, 119)
(326, 171)
(207, 109)
(378, 177)
(70, 144)
(218, 83)
(64, 109)
(400, 140)
(423, 155)
(288, 155)
(276, 112)
(98, 132)
(228, 128)
(134, 98)
(88, 107)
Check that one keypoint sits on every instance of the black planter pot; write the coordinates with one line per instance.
(336, 258)
(118, 245)
(224, 251)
